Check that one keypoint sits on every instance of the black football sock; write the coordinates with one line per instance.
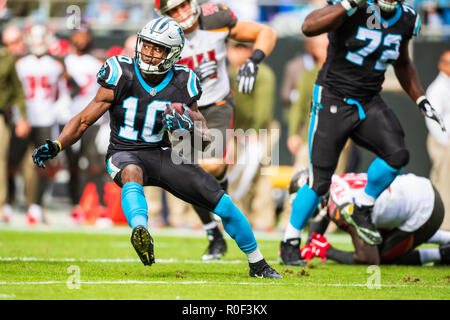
(340, 256)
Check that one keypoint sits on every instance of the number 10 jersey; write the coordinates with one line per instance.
(136, 113)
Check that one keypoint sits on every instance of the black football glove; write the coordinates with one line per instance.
(247, 73)
(428, 111)
(174, 121)
(45, 152)
(247, 76)
(206, 69)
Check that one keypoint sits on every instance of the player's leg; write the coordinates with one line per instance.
(95, 171)
(381, 133)
(330, 123)
(35, 212)
(219, 118)
(398, 246)
(192, 184)
(127, 170)
(72, 157)
(4, 147)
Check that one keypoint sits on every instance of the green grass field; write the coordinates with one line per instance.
(46, 263)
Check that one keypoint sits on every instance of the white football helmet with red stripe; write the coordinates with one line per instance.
(186, 20)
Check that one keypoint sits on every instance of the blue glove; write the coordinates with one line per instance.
(173, 120)
(45, 152)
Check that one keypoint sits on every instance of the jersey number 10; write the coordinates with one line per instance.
(151, 132)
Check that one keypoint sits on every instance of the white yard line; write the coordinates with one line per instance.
(35, 259)
(264, 283)
(170, 232)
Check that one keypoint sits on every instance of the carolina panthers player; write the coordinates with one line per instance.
(364, 38)
(207, 28)
(138, 94)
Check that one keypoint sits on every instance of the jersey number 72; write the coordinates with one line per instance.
(375, 38)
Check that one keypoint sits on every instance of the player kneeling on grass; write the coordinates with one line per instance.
(407, 214)
(143, 96)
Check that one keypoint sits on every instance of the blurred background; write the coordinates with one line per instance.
(111, 22)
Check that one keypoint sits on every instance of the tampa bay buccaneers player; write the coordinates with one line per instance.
(408, 213)
(207, 28)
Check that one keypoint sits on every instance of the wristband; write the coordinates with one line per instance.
(59, 144)
(350, 6)
(257, 56)
(420, 99)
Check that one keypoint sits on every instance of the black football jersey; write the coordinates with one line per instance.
(361, 49)
(136, 113)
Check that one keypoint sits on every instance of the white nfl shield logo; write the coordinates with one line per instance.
(153, 92)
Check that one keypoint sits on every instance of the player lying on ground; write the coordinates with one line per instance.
(138, 93)
(407, 214)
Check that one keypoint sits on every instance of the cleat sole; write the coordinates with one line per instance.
(142, 242)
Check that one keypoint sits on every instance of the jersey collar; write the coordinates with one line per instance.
(386, 23)
(154, 90)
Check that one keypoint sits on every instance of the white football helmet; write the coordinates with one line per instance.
(187, 20)
(165, 32)
(38, 39)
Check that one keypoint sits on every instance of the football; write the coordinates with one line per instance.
(178, 107)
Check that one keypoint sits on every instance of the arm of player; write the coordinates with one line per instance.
(74, 87)
(75, 128)
(406, 73)
(200, 127)
(407, 76)
(324, 20)
(263, 38)
(364, 253)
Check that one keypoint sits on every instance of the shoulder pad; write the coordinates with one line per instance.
(113, 70)
(414, 17)
(193, 85)
(216, 16)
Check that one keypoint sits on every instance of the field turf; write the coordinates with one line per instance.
(87, 263)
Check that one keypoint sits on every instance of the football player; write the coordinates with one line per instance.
(365, 37)
(139, 93)
(83, 68)
(408, 213)
(207, 28)
(40, 74)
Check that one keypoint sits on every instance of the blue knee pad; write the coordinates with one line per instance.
(134, 205)
(379, 176)
(236, 224)
(303, 207)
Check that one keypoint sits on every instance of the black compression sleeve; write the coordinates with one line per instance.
(343, 257)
